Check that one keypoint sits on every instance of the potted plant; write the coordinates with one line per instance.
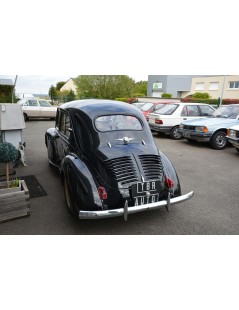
(14, 194)
(8, 153)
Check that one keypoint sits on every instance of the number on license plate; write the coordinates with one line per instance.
(143, 200)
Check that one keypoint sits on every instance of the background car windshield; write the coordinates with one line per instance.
(168, 109)
(227, 112)
(117, 122)
(44, 103)
(147, 106)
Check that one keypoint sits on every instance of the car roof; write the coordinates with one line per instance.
(95, 107)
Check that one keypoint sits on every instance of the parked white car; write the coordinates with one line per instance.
(168, 118)
(233, 136)
(37, 108)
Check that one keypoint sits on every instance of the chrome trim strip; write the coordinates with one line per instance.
(130, 210)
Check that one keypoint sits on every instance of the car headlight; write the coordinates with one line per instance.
(202, 129)
(231, 133)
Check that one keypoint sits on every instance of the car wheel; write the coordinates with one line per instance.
(68, 197)
(174, 134)
(218, 140)
(25, 117)
(237, 149)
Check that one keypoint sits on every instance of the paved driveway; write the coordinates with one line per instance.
(214, 209)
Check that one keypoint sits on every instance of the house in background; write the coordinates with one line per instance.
(225, 86)
(180, 86)
(69, 85)
(177, 85)
(6, 82)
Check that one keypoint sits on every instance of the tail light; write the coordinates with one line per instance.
(102, 193)
(169, 183)
(158, 121)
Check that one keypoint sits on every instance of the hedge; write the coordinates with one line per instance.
(211, 101)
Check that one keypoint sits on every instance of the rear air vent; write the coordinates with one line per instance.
(123, 169)
(152, 166)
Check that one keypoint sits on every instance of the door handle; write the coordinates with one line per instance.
(185, 118)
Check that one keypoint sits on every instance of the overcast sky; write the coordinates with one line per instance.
(40, 84)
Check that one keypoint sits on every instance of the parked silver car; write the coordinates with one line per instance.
(233, 136)
(37, 108)
(212, 129)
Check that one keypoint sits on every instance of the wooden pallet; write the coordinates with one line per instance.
(15, 204)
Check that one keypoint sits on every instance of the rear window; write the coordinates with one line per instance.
(168, 109)
(147, 106)
(117, 122)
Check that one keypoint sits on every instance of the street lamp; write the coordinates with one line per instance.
(13, 91)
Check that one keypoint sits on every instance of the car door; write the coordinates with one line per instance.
(63, 135)
(31, 108)
(47, 109)
(189, 112)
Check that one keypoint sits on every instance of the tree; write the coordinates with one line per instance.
(6, 94)
(140, 89)
(8, 153)
(104, 86)
(59, 85)
(71, 96)
(52, 93)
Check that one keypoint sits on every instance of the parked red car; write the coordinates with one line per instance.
(150, 107)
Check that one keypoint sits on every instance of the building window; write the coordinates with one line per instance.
(213, 86)
(233, 85)
(199, 86)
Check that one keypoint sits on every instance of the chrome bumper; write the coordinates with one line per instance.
(130, 210)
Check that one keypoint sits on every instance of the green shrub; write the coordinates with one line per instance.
(200, 95)
(166, 95)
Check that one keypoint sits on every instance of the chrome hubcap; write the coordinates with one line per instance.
(221, 140)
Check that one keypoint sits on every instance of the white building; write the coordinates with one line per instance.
(69, 85)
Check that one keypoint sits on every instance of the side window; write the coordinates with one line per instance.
(32, 103)
(184, 111)
(65, 124)
(206, 110)
(193, 110)
(24, 103)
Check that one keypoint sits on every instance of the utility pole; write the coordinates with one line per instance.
(222, 91)
(13, 91)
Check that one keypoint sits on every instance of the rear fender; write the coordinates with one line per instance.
(171, 173)
(82, 186)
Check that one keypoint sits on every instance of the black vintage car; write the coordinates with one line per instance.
(108, 161)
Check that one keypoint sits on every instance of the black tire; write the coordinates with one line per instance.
(174, 134)
(25, 117)
(218, 140)
(237, 149)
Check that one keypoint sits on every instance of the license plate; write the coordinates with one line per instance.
(186, 135)
(145, 192)
(142, 200)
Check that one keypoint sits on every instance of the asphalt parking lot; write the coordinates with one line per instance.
(211, 174)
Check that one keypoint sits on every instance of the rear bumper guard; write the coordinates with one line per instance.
(130, 210)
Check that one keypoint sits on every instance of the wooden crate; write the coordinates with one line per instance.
(15, 204)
